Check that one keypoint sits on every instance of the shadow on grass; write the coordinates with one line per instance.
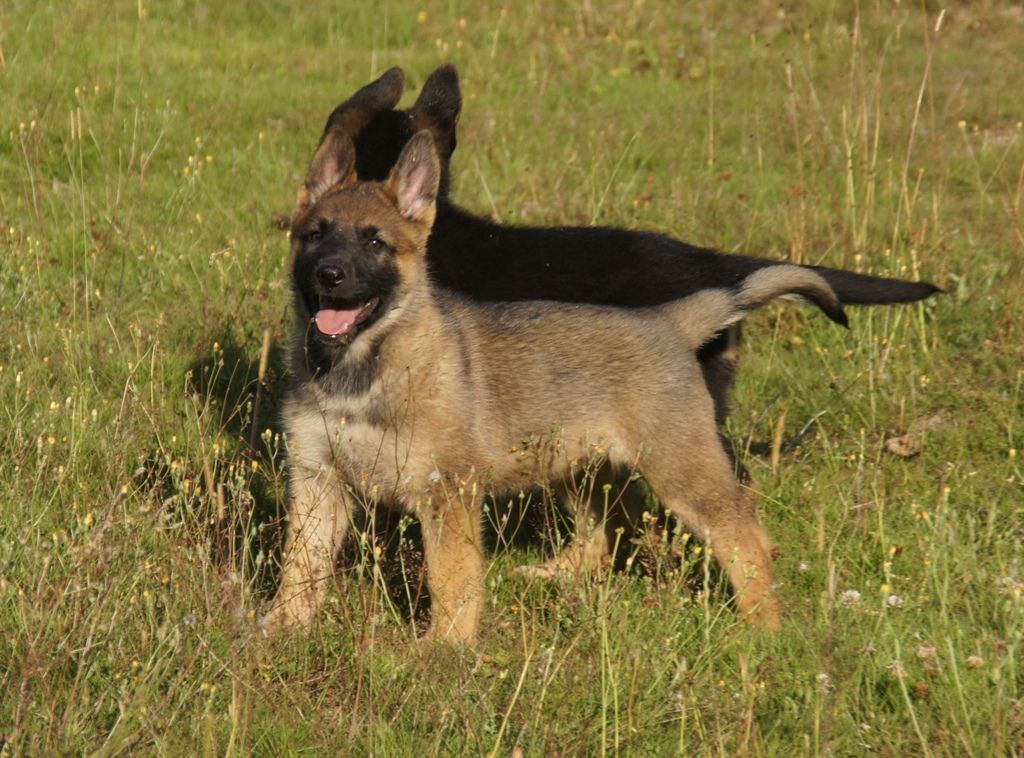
(239, 395)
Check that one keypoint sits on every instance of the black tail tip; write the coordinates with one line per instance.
(838, 314)
(922, 290)
(866, 289)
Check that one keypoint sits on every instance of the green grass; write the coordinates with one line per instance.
(146, 147)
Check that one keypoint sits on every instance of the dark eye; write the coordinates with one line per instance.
(312, 236)
(376, 243)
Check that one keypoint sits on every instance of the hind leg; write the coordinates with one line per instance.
(719, 362)
(702, 491)
(596, 526)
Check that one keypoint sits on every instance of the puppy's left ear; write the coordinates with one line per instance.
(413, 182)
(333, 165)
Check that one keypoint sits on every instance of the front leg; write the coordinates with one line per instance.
(318, 520)
(451, 524)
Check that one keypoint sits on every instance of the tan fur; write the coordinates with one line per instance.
(698, 318)
(468, 398)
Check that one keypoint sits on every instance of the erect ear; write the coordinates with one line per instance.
(438, 107)
(412, 184)
(334, 165)
(354, 114)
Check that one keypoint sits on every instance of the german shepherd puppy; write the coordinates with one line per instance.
(605, 266)
(409, 394)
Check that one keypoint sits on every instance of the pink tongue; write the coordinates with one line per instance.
(337, 323)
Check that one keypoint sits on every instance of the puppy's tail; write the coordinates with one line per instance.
(703, 315)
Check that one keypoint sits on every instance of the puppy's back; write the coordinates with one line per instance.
(536, 364)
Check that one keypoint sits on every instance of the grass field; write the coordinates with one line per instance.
(145, 151)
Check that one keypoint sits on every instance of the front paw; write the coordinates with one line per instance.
(459, 632)
(285, 617)
(766, 614)
(576, 559)
(544, 572)
(436, 645)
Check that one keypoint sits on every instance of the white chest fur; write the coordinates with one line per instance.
(374, 458)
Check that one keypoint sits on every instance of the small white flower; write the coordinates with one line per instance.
(850, 597)
(805, 566)
(823, 682)
(894, 601)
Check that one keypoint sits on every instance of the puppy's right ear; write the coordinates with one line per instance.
(334, 165)
(413, 182)
(353, 115)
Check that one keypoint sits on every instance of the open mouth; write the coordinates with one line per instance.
(338, 319)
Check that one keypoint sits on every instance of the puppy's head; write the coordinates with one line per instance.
(359, 248)
(379, 132)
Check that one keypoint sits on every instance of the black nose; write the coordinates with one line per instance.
(330, 275)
